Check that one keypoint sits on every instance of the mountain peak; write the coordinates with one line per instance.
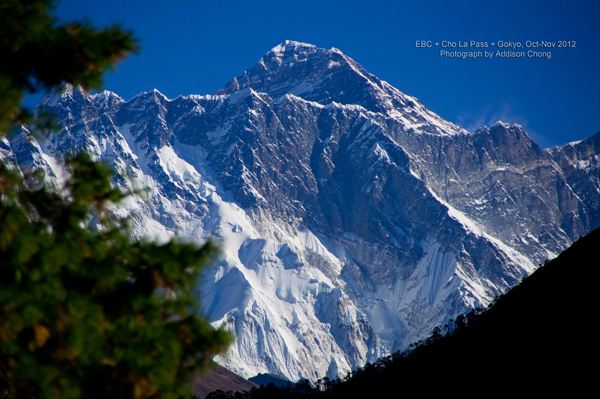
(310, 72)
(291, 46)
(326, 76)
(64, 93)
(300, 51)
(149, 96)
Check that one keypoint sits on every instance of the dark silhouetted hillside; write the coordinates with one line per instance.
(265, 379)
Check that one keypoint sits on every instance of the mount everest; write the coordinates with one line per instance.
(353, 220)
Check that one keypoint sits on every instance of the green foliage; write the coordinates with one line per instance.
(86, 312)
(37, 54)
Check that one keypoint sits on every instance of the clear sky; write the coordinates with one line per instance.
(196, 47)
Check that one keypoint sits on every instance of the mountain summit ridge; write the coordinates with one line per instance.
(353, 219)
(326, 76)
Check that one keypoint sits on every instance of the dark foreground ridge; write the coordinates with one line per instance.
(266, 378)
(536, 339)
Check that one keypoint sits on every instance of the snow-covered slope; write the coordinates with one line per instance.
(353, 219)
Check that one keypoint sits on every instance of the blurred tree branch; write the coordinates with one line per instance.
(84, 311)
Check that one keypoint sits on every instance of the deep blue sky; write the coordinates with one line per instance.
(196, 47)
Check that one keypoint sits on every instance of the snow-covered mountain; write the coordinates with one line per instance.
(353, 219)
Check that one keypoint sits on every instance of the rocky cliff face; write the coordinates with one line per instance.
(353, 219)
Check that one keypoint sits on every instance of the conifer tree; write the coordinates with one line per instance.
(84, 311)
